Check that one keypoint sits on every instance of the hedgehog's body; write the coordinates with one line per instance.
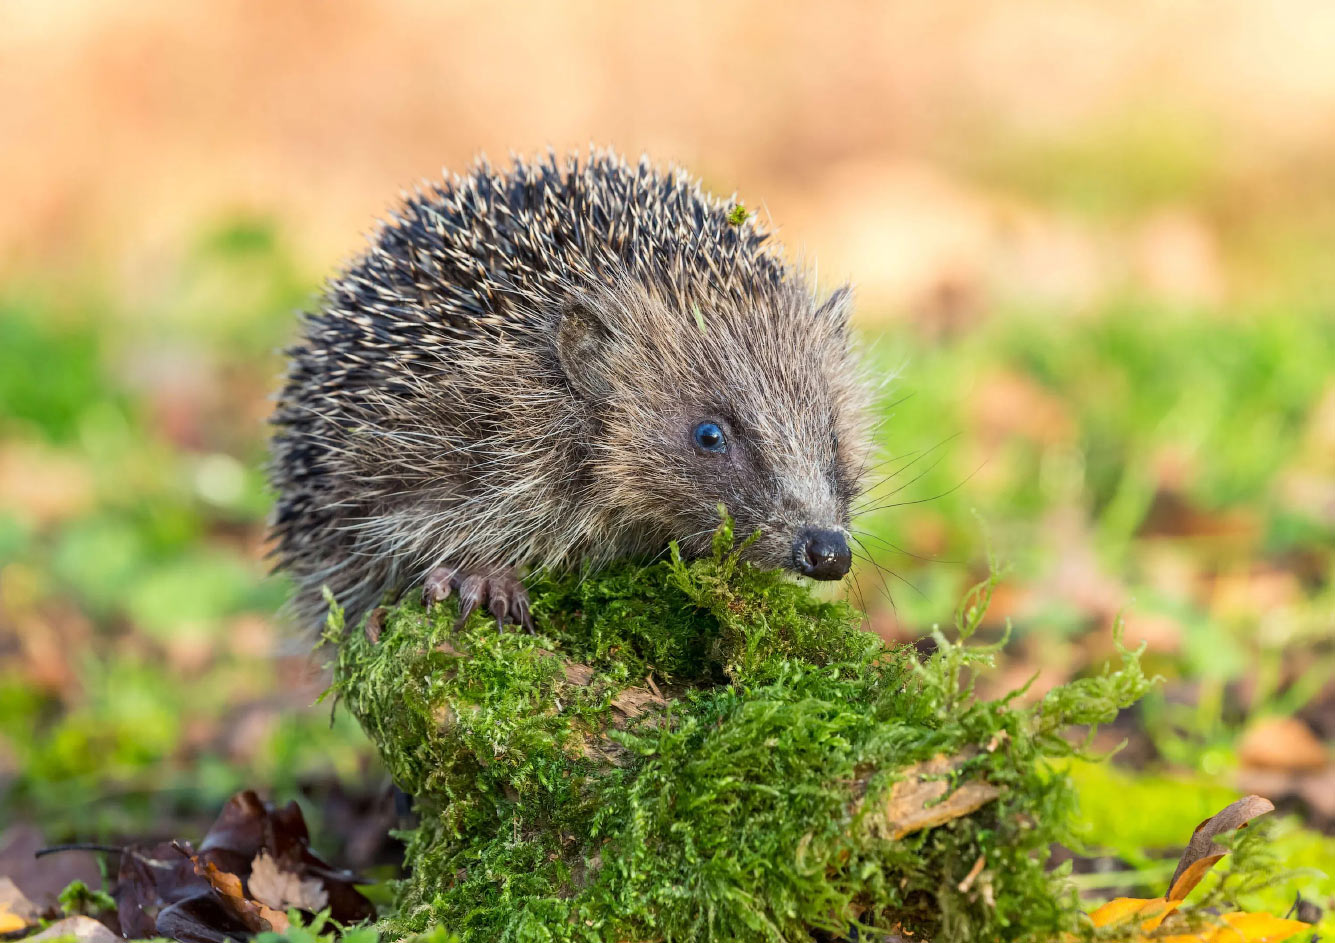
(561, 365)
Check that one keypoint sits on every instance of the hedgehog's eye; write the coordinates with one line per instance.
(709, 438)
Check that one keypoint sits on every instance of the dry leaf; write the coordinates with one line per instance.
(375, 624)
(1202, 852)
(248, 825)
(81, 928)
(10, 922)
(211, 896)
(1235, 928)
(1281, 743)
(1260, 928)
(1199, 857)
(924, 798)
(152, 879)
(1152, 910)
(1242, 928)
(279, 889)
(256, 916)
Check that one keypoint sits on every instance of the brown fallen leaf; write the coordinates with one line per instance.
(1281, 743)
(201, 918)
(1140, 918)
(151, 879)
(375, 624)
(84, 929)
(925, 798)
(274, 887)
(255, 915)
(206, 896)
(248, 826)
(1202, 853)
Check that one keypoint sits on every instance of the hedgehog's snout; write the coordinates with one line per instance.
(821, 554)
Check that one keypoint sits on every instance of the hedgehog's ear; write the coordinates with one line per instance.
(581, 347)
(837, 308)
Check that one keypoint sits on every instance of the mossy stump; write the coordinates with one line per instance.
(702, 751)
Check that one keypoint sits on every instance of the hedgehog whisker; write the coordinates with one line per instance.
(876, 538)
(886, 570)
(885, 588)
(921, 454)
(951, 490)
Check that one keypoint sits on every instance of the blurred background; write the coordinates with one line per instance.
(1093, 241)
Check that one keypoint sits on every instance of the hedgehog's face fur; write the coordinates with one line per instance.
(684, 406)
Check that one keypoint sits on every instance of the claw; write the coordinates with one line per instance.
(438, 584)
(500, 590)
(499, 607)
(471, 591)
(524, 617)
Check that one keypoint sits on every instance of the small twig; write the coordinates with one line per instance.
(79, 846)
(969, 878)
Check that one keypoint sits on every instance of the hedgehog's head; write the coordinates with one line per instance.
(689, 404)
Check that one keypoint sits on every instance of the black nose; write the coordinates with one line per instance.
(821, 554)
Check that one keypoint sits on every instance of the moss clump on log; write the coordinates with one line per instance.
(702, 751)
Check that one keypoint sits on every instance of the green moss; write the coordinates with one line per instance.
(562, 798)
(79, 898)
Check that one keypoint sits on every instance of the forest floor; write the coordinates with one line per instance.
(1172, 467)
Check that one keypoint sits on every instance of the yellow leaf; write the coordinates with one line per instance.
(1242, 928)
(1119, 910)
(10, 922)
(1155, 911)
(1260, 928)
(1122, 909)
(1191, 876)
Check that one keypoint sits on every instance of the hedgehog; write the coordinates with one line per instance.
(553, 366)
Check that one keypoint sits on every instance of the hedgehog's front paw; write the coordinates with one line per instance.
(497, 588)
